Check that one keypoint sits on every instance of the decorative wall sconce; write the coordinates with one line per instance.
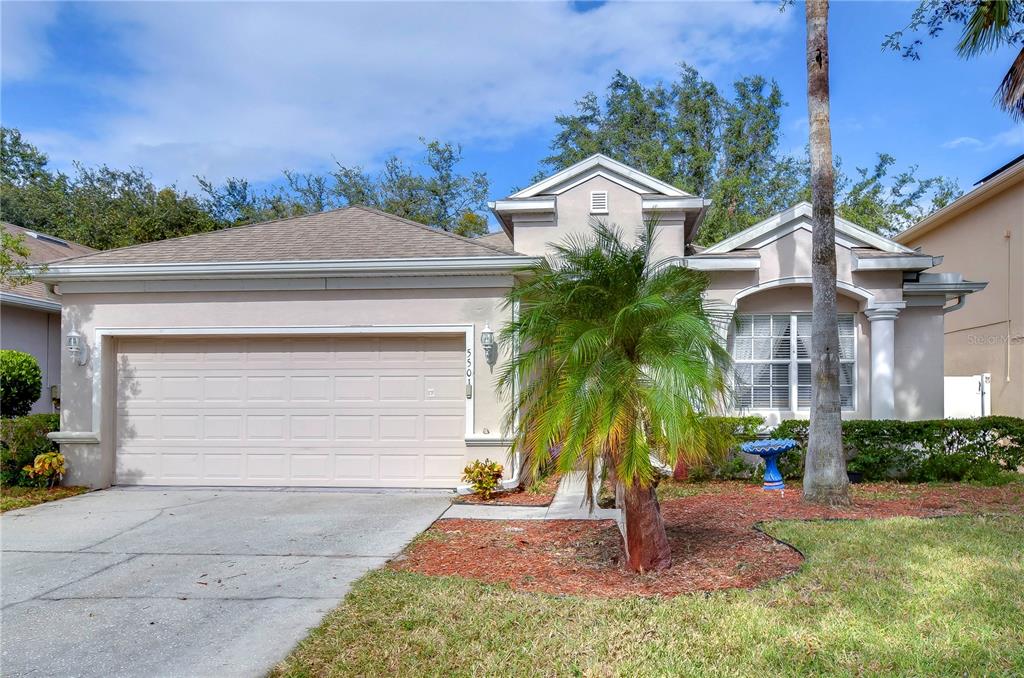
(77, 348)
(490, 345)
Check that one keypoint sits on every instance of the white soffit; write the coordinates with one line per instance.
(797, 217)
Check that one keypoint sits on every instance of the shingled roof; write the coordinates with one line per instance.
(499, 240)
(42, 249)
(345, 234)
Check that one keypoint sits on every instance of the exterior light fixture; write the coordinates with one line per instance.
(490, 345)
(77, 348)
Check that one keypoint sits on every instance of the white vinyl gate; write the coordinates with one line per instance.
(968, 396)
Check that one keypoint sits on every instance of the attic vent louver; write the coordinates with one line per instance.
(599, 202)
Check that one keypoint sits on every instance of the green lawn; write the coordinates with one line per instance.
(903, 596)
(21, 497)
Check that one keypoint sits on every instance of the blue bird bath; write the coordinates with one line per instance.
(770, 451)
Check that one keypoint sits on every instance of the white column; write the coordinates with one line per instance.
(883, 358)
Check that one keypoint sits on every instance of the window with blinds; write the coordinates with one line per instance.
(772, 356)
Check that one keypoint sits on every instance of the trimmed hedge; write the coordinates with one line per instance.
(21, 382)
(979, 450)
(21, 441)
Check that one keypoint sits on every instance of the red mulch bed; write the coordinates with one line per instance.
(714, 541)
(538, 496)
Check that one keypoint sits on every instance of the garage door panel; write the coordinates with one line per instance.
(361, 411)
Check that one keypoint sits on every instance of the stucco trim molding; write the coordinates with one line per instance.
(602, 161)
(866, 296)
(487, 441)
(102, 334)
(75, 437)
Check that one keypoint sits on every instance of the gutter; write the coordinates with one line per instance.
(285, 269)
(14, 299)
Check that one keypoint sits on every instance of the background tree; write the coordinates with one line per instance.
(619, 361)
(101, 207)
(890, 207)
(14, 262)
(727, 149)
(442, 198)
(987, 25)
(825, 479)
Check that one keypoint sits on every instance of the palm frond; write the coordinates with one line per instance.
(1010, 94)
(614, 360)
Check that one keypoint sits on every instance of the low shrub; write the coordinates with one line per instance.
(21, 382)
(483, 476)
(21, 441)
(47, 469)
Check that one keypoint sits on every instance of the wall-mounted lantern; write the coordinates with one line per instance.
(77, 348)
(490, 345)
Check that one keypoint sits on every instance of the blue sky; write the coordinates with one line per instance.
(233, 89)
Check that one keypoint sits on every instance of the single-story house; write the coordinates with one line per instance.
(344, 348)
(982, 234)
(30, 315)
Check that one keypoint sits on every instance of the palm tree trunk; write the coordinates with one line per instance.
(825, 480)
(647, 546)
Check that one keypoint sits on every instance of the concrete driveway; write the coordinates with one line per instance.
(203, 582)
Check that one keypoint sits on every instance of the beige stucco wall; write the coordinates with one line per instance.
(38, 333)
(789, 257)
(918, 330)
(93, 465)
(625, 211)
(987, 334)
(918, 376)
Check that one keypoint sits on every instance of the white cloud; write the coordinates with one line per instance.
(247, 89)
(1011, 138)
(963, 142)
(23, 28)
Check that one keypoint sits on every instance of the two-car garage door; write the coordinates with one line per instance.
(320, 411)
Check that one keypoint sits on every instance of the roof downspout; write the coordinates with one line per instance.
(960, 301)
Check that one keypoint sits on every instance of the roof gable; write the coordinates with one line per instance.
(848, 234)
(349, 233)
(599, 165)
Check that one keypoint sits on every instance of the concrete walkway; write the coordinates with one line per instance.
(568, 504)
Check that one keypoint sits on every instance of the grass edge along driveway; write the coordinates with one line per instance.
(876, 597)
(12, 498)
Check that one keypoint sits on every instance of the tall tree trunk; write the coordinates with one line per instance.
(825, 480)
(647, 546)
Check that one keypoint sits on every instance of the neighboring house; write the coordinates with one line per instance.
(30, 316)
(344, 348)
(981, 235)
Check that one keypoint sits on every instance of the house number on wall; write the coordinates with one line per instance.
(469, 374)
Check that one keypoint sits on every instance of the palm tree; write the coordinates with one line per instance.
(616, 362)
(990, 26)
(825, 479)
(987, 26)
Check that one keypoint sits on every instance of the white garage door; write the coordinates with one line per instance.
(324, 411)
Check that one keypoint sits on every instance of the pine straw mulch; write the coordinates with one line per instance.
(540, 494)
(716, 543)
